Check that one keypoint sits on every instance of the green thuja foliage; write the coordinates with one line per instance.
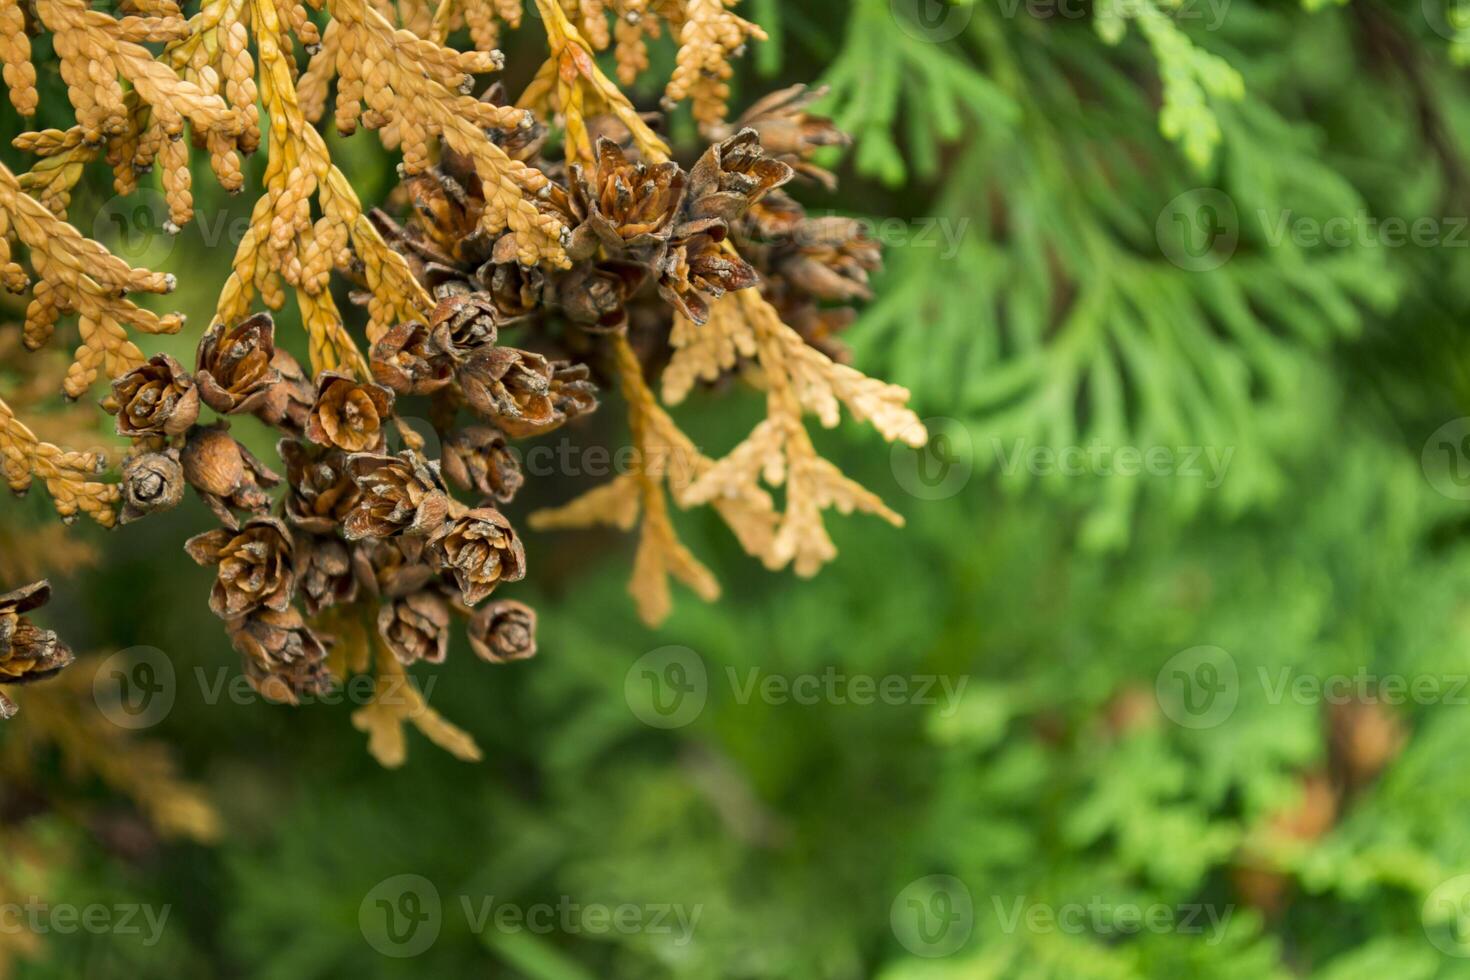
(1143, 723)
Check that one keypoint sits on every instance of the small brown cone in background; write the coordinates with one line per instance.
(1363, 736)
(391, 567)
(224, 473)
(792, 135)
(415, 627)
(1256, 880)
(156, 398)
(286, 403)
(151, 482)
(503, 631)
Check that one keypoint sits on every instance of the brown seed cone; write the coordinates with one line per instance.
(348, 414)
(233, 364)
(831, 261)
(515, 289)
(504, 631)
(156, 398)
(224, 473)
(324, 572)
(27, 652)
(420, 251)
(479, 460)
(404, 360)
(572, 391)
(774, 220)
(697, 270)
(792, 135)
(151, 482)
(415, 627)
(595, 296)
(392, 567)
(283, 658)
(321, 492)
(510, 387)
(624, 205)
(256, 566)
(401, 494)
(732, 175)
(481, 550)
(463, 324)
(287, 403)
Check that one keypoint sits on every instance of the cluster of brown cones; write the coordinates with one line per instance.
(357, 526)
(650, 239)
(354, 524)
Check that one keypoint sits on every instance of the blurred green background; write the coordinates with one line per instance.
(1168, 670)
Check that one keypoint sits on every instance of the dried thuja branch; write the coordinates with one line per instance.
(77, 275)
(571, 84)
(413, 90)
(137, 125)
(797, 378)
(665, 455)
(70, 476)
(284, 245)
